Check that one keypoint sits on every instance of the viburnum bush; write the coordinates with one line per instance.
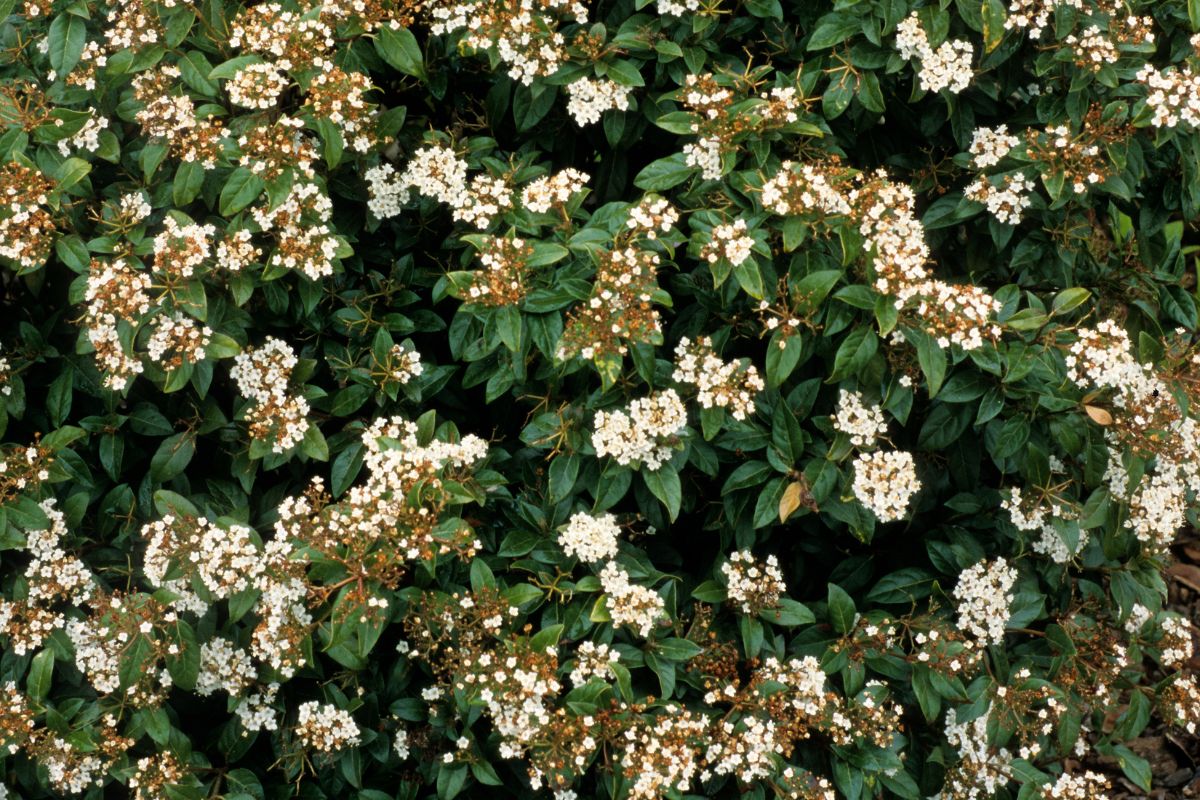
(629, 399)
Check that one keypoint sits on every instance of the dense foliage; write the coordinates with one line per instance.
(630, 399)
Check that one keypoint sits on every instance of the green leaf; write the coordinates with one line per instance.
(664, 484)
(854, 352)
(71, 172)
(1136, 768)
(833, 29)
(58, 399)
(664, 173)
(931, 358)
(168, 502)
(842, 612)
(172, 456)
(41, 675)
(398, 47)
(788, 614)
(903, 587)
(184, 664)
(240, 190)
(189, 180)
(66, 38)
(994, 17)
(625, 73)
(674, 649)
(451, 777)
(1069, 299)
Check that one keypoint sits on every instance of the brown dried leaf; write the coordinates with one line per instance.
(793, 498)
(1099, 415)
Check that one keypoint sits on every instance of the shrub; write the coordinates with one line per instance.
(626, 400)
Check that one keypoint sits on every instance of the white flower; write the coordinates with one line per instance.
(590, 538)
(984, 595)
(590, 98)
(885, 482)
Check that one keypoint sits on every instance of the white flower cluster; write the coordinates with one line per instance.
(1093, 48)
(863, 423)
(87, 137)
(179, 249)
(885, 483)
(1041, 517)
(1064, 142)
(257, 86)
(751, 584)
(487, 197)
(628, 603)
(677, 8)
(26, 229)
(284, 618)
(1034, 15)
(437, 172)
(1146, 413)
(551, 190)
(225, 560)
(990, 145)
(593, 661)
(984, 595)
(782, 103)
(705, 154)
(1102, 358)
(387, 193)
(1007, 203)
(306, 242)
(747, 748)
(522, 35)
(1178, 642)
(891, 226)
(223, 666)
(262, 374)
(591, 97)
(404, 364)
(99, 643)
(256, 710)
(1139, 615)
(982, 770)
(643, 433)
(651, 216)
(721, 384)
(802, 188)
(1086, 785)
(589, 538)
(71, 770)
(53, 574)
(325, 727)
(387, 463)
(948, 67)
(516, 690)
(1174, 96)
(132, 208)
(1181, 704)
(179, 336)
(728, 242)
(953, 313)
(236, 251)
(662, 754)
(400, 744)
